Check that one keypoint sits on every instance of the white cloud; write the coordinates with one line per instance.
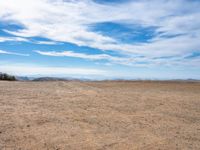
(12, 53)
(46, 42)
(81, 55)
(178, 60)
(69, 21)
(18, 39)
(48, 71)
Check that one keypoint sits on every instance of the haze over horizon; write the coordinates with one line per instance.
(101, 39)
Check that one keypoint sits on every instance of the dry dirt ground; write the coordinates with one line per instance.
(99, 115)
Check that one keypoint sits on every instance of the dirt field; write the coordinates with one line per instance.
(99, 115)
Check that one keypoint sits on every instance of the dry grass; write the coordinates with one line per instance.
(99, 115)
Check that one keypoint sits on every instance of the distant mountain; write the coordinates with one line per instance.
(7, 77)
(49, 79)
(20, 78)
(195, 80)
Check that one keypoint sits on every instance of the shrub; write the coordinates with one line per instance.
(4, 76)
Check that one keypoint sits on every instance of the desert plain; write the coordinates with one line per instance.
(106, 115)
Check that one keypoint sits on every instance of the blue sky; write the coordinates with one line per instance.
(101, 39)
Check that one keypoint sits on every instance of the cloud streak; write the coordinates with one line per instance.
(52, 71)
(80, 55)
(170, 61)
(13, 53)
(177, 29)
(11, 39)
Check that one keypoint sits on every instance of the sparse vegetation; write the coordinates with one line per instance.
(4, 76)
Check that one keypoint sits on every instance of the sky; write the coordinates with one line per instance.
(101, 39)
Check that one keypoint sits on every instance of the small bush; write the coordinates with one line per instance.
(4, 76)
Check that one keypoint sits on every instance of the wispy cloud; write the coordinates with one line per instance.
(18, 39)
(177, 29)
(80, 55)
(49, 19)
(46, 42)
(170, 61)
(12, 53)
(48, 71)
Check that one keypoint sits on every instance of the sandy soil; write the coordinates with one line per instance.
(99, 115)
